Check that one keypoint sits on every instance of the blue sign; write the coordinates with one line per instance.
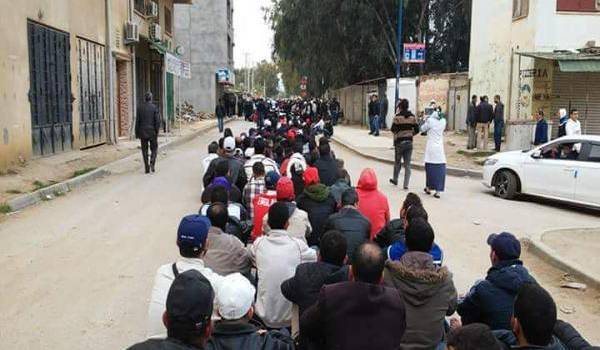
(223, 75)
(414, 53)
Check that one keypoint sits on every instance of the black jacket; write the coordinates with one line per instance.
(236, 171)
(234, 335)
(147, 123)
(472, 114)
(490, 301)
(499, 112)
(485, 112)
(353, 225)
(327, 167)
(303, 289)
(162, 344)
(390, 233)
(374, 108)
(318, 202)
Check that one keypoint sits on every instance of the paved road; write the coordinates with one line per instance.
(77, 271)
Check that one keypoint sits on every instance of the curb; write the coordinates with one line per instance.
(69, 185)
(551, 256)
(459, 172)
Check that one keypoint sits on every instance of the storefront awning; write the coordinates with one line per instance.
(572, 62)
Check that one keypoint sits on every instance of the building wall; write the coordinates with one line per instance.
(65, 15)
(202, 30)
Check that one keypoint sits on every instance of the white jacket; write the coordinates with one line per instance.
(269, 164)
(573, 127)
(276, 257)
(434, 150)
(162, 282)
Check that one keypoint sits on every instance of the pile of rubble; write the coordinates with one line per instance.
(187, 114)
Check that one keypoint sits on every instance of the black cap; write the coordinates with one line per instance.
(190, 301)
(506, 245)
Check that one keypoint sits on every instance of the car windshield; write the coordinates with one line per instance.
(561, 150)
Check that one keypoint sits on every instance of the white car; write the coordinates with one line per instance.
(567, 169)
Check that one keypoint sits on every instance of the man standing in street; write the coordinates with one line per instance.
(334, 109)
(384, 110)
(147, 126)
(472, 123)
(498, 122)
(485, 115)
(541, 129)
(374, 112)
(220, 113)
(404, 127)
(573, 126)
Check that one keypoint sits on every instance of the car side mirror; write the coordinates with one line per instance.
(537, 154)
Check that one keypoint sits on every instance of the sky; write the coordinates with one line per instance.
(252, 34)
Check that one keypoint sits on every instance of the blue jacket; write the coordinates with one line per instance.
(541, 132)
(490, 301)
(398, 249)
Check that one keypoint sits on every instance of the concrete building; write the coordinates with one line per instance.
(68, 72)
(205, 32)
(526, 52)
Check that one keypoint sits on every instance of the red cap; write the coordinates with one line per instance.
(291, 134)
(285, 189)
(311, 176)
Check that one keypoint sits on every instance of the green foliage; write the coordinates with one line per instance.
(265, 79)
(38, 185)
(82, 171)
(5, 208)
(339, 42)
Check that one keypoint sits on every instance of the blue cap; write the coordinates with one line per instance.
(271, 179)
(193, 230)
(506, 245)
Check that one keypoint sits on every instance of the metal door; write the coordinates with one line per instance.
(458, 99)
(580, 91)
(93, 123)
(50, 90)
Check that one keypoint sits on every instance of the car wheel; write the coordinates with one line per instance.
(505, 185)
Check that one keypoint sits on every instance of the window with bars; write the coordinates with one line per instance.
(520, 9)
(140, 6)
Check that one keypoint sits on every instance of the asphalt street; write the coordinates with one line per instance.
(78, 270)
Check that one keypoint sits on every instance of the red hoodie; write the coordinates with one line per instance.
(372, 203)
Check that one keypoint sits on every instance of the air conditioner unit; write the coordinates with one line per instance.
(132, 34)
(598, 5)
(155, 33)
(152, 9)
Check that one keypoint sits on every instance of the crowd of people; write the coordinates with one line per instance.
(285, 253)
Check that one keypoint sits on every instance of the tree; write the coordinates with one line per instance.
(340, 42)
(266, 79)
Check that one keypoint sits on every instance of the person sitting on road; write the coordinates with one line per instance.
(394, 230)
(326, 165)
(222, 178)
(372, 203)
(235, 331)
(428, 290)
(476, 336)
(399, 248)
(359, 314)
(262, 202)
(350, 222)
(260, 156)
(192, 242)
(213, 148)
(276, 256)
(255, 186)
(317, 201)
(237, 175)
(490, 301)
(238, 223)
(341, 184)
(189, 307)
(227, 253)
(533, 321)
(299, 224)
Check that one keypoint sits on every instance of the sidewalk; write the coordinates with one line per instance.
(43, 172)
(382, 147)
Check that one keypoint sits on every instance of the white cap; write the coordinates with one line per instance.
(267, 122)
(235, 297)
(249, 152)
(229, 143)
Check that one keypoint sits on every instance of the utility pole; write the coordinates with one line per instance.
(399, 53)
(247, 77)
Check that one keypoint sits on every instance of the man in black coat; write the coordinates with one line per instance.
(361, 314)
(147, 126)
(374, 115)
(485, 115)
(350, 222)
(326, 165)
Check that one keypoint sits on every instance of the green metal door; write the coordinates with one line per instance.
(170, 102)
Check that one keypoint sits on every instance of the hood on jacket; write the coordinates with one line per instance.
(367, 180)
(509, 275)
(317, 192)
(417, 277)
